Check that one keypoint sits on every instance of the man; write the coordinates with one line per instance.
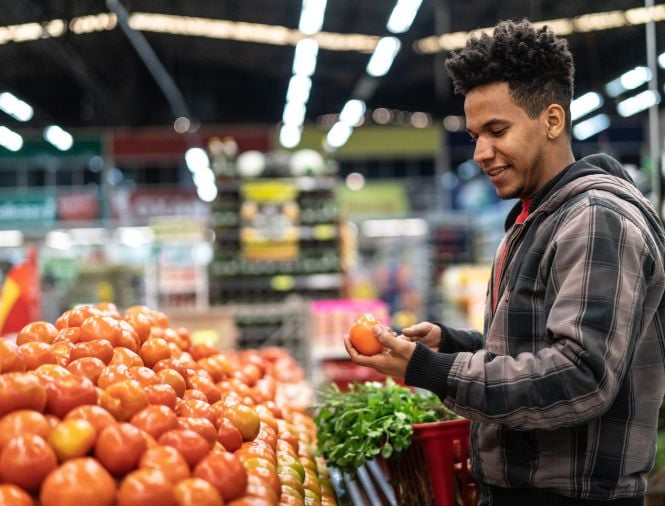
(565, 384)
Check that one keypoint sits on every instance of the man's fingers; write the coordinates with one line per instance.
(419, 329)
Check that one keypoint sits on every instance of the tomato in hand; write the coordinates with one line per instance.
(26, 460)
(78, 481)
(362, 337)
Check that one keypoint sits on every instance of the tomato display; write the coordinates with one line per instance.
(362, 337)
(111, 408)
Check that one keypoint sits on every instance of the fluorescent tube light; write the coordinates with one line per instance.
(628, 81)
(403, 15)
(591, 126)
(585, 104)
(58, 137)
(299, 89)
(304, 61)
(338, 135)
(383, 56)
(15, 107)
(638, 103)
(311, 16)
(352, 112)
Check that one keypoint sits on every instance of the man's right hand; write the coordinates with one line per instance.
(424, 332)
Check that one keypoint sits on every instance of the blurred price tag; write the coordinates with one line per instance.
(282, 283)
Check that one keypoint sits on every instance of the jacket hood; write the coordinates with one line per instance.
(601, 172)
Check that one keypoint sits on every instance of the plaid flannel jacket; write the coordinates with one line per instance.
(565, 384)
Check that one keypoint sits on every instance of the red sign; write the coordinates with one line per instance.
(78, 206)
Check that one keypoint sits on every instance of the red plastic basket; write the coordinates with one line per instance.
(435, 468)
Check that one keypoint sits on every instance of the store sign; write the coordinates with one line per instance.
(141, 205)
(28, 208)
(78, 206)
(374, 199)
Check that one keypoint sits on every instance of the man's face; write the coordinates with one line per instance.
(510, 146)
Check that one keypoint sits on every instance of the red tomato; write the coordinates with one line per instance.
(125, 356)
(78, 481)
(153, 350)
(108, 309)
(143, 375)
(171, 363)
(194, 394)
(12, 495)
(64, 394)
(11, 356)
(173, 378)
(124, 399)
(196, 492)
(75, 317)
(155, 420)
(246, 419)
(196, 408)
(26, 460)
(21, 390)
(62, 349)
(225, 472)
(98, 348)
(23, 421)
(168, 460)
(43, 332)
(146, 487)
(119, 448)
(96, 415)
(68, 334)
(140, 323)
(228, 434)
(112, 374)
(163, 394)
(36, 353)
(201, 426)
(87, 367)
(190, 444)
(362, 337)
(206, 386)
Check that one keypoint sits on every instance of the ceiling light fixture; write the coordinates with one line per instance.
(638, 103)
(403, 15)
(591, 126)
(628, 81)
(383, 56)
(311, 16)
(58, 137)
(10, 139)
(585, 104)
(15, 107)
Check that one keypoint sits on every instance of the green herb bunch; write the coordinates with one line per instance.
(370, 419)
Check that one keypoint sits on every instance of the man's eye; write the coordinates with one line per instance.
(497, 133)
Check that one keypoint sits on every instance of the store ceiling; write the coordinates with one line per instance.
(98, 80)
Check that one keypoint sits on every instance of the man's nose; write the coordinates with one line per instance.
(483, 151)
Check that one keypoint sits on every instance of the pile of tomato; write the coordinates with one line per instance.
(103, 408)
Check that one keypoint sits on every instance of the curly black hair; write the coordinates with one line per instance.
(537, 66)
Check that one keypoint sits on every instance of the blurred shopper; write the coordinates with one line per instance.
(564, 385)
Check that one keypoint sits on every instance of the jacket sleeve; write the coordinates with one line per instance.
(455, 340)
(596, 286)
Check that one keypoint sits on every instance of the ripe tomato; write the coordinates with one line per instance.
(362, 336)
(246, 419)
(21, 390)
(167, 460)
(206, 386)
(173, 378)
(228, 434)
(225, 472)
(162, 394)
(72, 438)
(201, 426)
(143, 375)
(153, 350)
(26, 460)
(146, 487)
(190, 444)
(98, 348)
(196, 492)
(125, 356)
(43, 332)
(171, 363)
(217, 366)
(265, 475)
(124, 399)
(11, 356)
(64, 394)
(196, 408)
(23, 421)
(69, 334)
(75, 317)
(78, 481)
(12, 495)
(140, 323)
(155, 420)
(96, 415)
(87, 367)
(36, 353)
(108, 309)
(119, 448)
(194, 394)
(112, 374)
(62, 349)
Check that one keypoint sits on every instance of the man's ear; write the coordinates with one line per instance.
(556, 121)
